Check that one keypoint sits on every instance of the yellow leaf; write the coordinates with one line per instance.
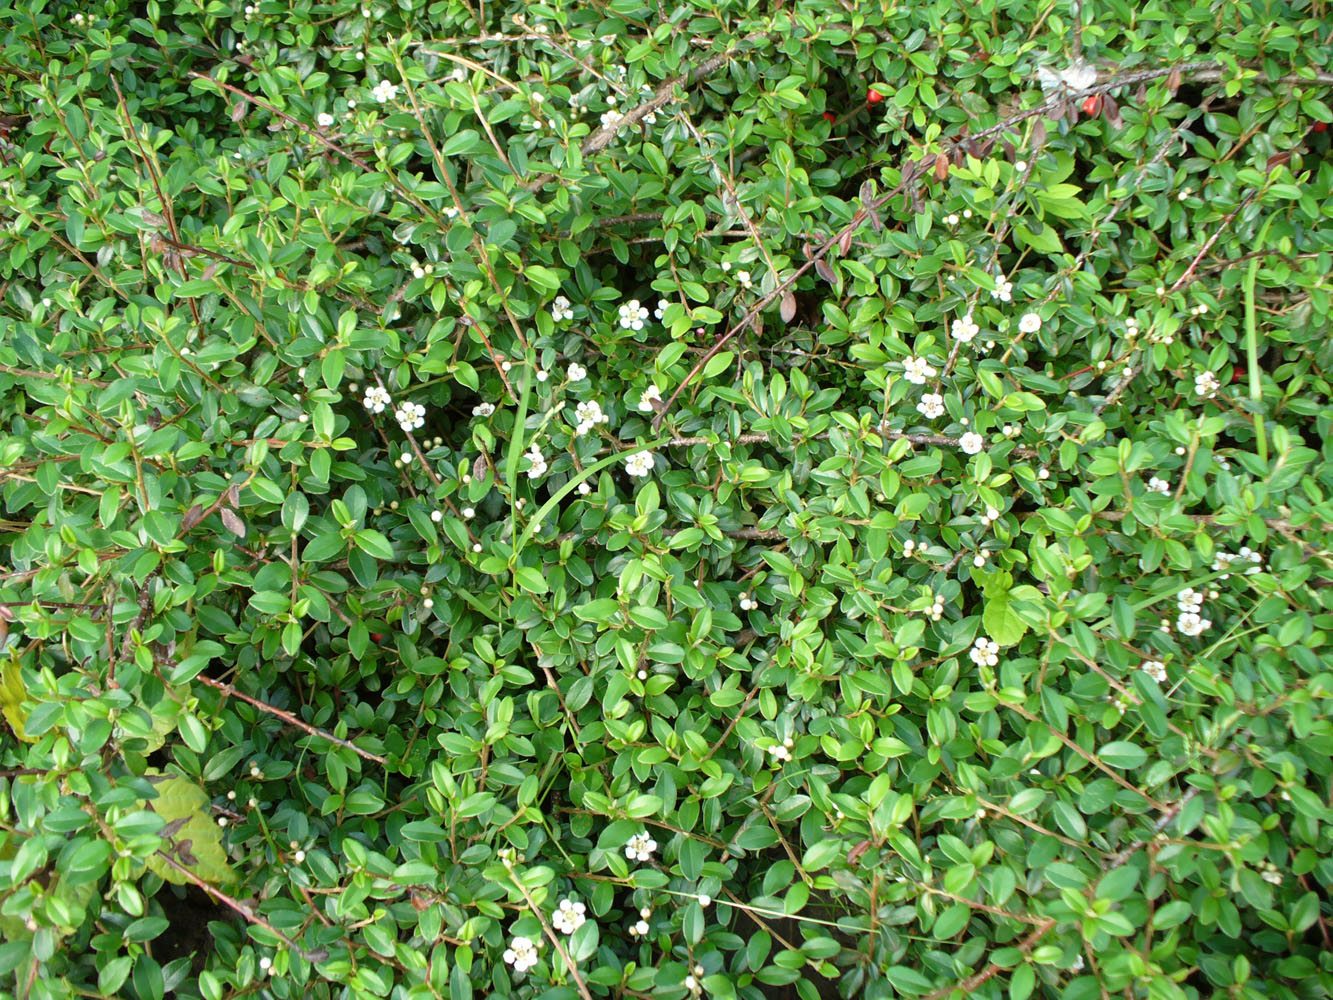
(12, 693)
(194, 839)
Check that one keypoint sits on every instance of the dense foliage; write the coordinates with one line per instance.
(604, 499)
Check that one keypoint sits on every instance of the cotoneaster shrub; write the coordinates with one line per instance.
(625, 500)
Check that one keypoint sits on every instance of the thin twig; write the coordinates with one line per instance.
(290, 719)
(245, 911)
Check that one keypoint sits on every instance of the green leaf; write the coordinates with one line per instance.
(1122, 754)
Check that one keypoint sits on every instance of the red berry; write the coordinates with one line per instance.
(829, 116)
(376, 636)
(1320, 127)
(1092, 105)
(874, 97)
(1237, 373)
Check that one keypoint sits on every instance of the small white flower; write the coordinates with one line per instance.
(1078, 964)
(964, 329)
(1029, 323)
(1004, 290)
(747, 603)
(661, 309)
(951, 219)
(1043, 473)
(743, 278)
(917, 370)
(971, 443)
(537, 469)
(521, 954)
(469, 513)
(649, 396)
(639, 464)
(569, 916)
(780, 754)
(576, 373)
(985, 652)
(1191, 623)
(265, 963)
(1157, 485)
(411, 416)
(610, 117)
(1206, 385)
(483, 409)
(931, 405)
(377, 399)
(385, 91)
(324, 119)
(639, 928)
(1155, 669)
(1272, 876)
(437, 516)
(589, 414)
(561, 309)
(632, 315)
(584, 489)
(640, 847)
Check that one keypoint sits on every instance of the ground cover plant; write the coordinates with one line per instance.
(608, 499)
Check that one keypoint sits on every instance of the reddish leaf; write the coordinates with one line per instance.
(941, 166)
(787, 310)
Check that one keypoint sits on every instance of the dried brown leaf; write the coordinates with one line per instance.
(824, 271)
(787, 310)
(941, 166)
(192, 517)
(232, 522)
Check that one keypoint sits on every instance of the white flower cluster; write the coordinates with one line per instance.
(324, 120)
(385, 91)
(650, 396)
(1004, 289)
(990, 517)
(521, 954)
(744, 280)
(1156, 485)
(985, 652)
(1270, 874)
(1206, 385)
(588, 414)
(1190, 621)
(640, 847)
(537, 469)
(931, 405)
(639, 464)
(640, 927)
(965, 329)
(569, 916)
(782, 753)
(483, 409)
(747, 602)
(377, 399)
(972, 443)
(561, 309)
(1155, 669)
(632, 315)
(694, 981)
(917, 370)
(410, 416)
(576, 372)
(1227, 561)
(936, 611)
(661, 309)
